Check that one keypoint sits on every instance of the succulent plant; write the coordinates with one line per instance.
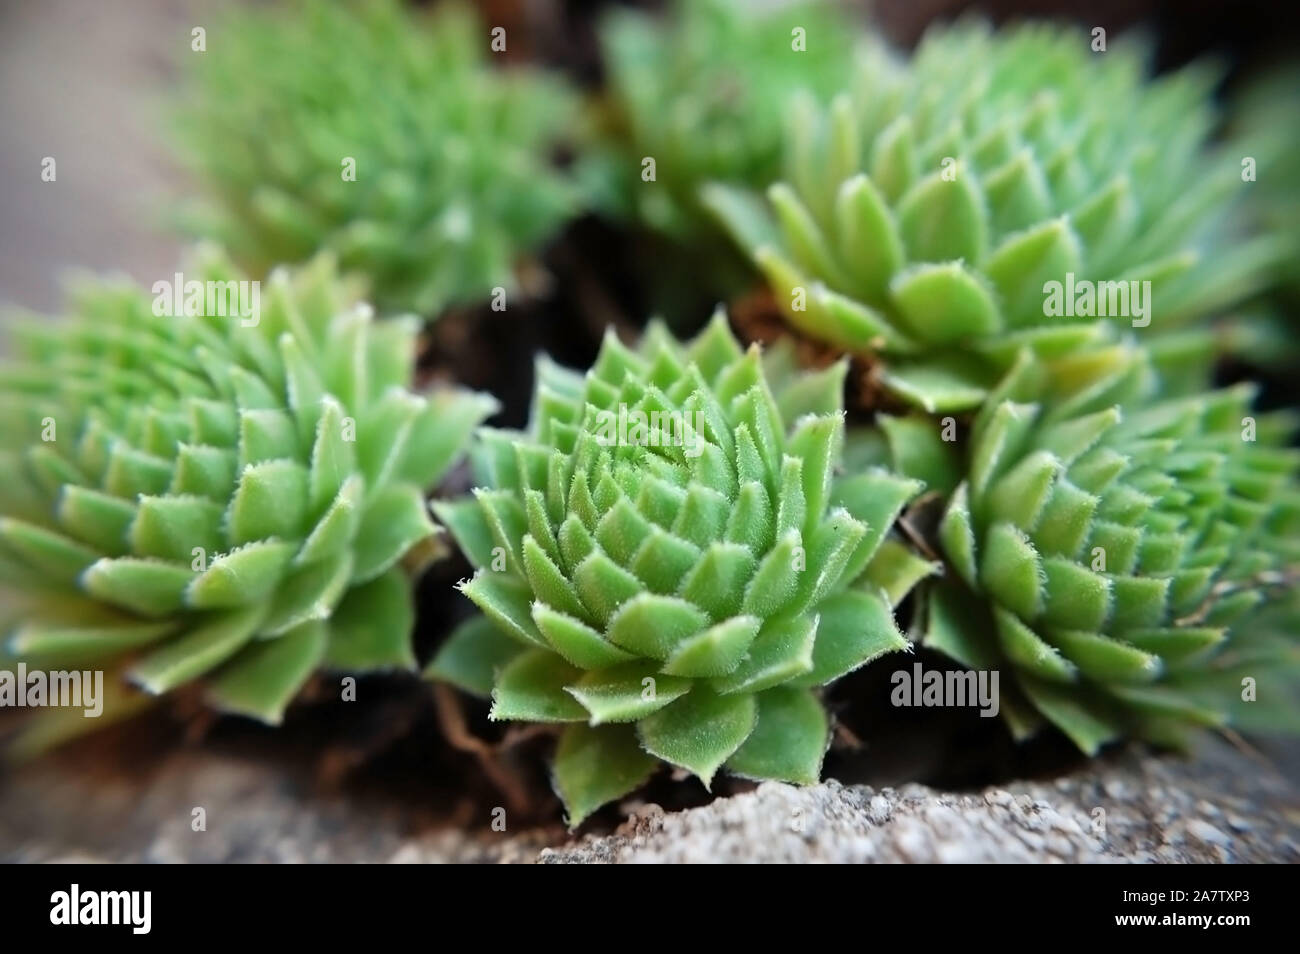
(1116, 553)
(925, 210)
(703, 94)
(1265, 140)
(1263, 130)
(233, 499)
(380, 134)
(675, 593)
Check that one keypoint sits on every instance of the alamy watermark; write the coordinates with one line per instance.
(1082, 298)
(36, 688)
(632, 427)
(133, 909)
(951, 689)
(208, 299)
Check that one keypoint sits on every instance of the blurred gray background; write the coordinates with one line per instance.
(84, 81)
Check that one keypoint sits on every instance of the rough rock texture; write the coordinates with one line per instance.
(1223, 806)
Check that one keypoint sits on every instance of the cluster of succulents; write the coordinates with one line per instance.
(688, 541)
(1116, 538)
(237, 500)
(385, 137)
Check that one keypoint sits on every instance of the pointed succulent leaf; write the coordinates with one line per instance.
(626, 693)
(473, 655)
(532, 687)
(595, 765)
(701, 731)
(370, 628)
(788, 740)
(262, 681)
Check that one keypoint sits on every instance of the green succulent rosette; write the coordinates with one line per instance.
(1127, 562)
(924, 212)
(452, 178)
(229, 501)
(704, 93)
(676, 594)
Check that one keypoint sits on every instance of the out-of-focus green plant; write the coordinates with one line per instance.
(1264, 130)
(381, 134)
(1266, 141)
(668, 564)
(925, 211)
(703, 94)
(1121, 558)
(234, 499)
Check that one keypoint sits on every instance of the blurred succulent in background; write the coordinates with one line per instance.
(1266, 140)
(926, 208)
(704, 95)
(1265, 130)
(1118, 554)
(234, 498)
(676, 593)
(381, 134)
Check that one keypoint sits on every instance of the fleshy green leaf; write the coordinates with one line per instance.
(595, 765)
(371, 626)
(262, 680)
(782, 651)
(626, 693)
(531, 688)
(270, 501)
(788, 741)
(394, 521)
(945, 304)
(148, 587)
(240, 577)
(473, 655)
(201, 649)
(700, 731)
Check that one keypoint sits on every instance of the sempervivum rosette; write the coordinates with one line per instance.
(382, 134)
(234, 499)
(1116, 555)
(925, 211)
(679, 591)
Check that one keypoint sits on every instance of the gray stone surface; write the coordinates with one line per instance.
(1222, 806)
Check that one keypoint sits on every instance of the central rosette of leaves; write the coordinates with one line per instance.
(691, 579)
